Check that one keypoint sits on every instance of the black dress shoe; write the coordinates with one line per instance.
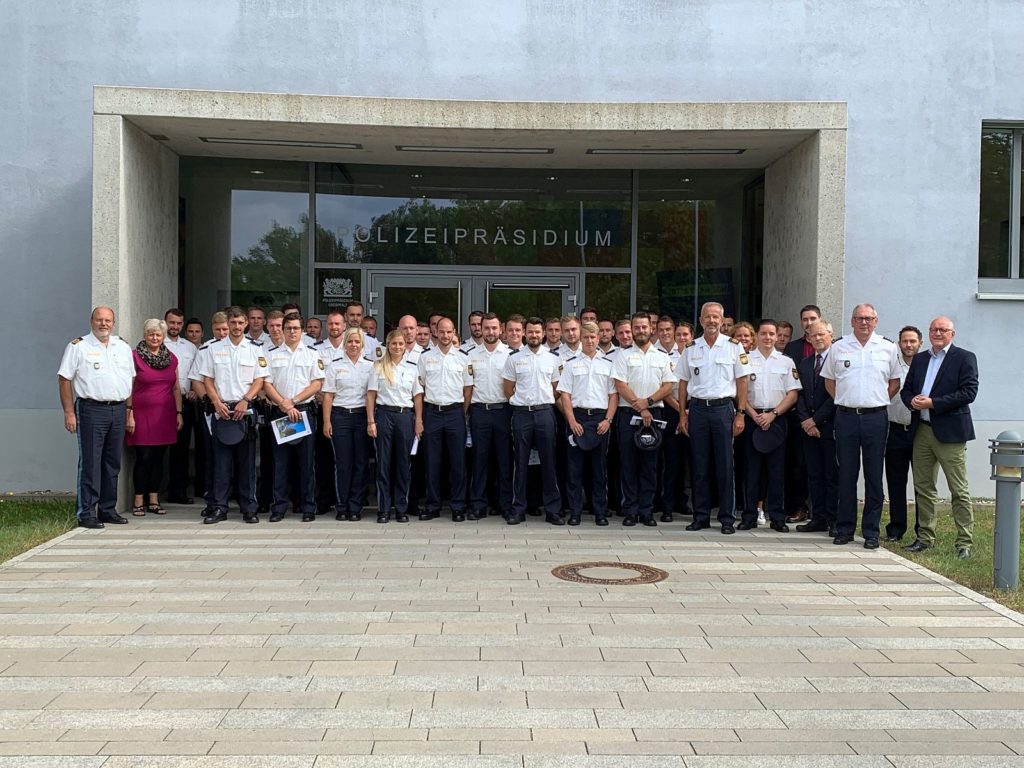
(113, 518)
(554, 519)
(400, 518)
(747, 525)
(574, 520)
(458, 517)
(832, 531)
(894, 538)
(649, 521)
(778, 525)
(90, 522)
(698, 525)
(251, 518)
(340, 516)
(207, 511)
(871, 543)
(629, 522)
(276, 517)
(666, 517)
(474, 515)
(354, 517)
(812, 527)
(382, 518)
(727, 529)
(600, 521)
(180, 500)
(512, 519)
(917, 546)
(308, 517)
(841, 539)
(216, 516)
(428, 515)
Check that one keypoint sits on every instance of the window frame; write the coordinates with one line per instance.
(1011, 287)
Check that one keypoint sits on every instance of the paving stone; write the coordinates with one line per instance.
(292, 748)
(221, 684)
(787, 761)
(94, 700)
(52, 761)
(504, 718)
(420, 761)
(139, 748)
(32, 748)
(205, 700)
(844, 701)
(759, 748)
(210, 761)
(693, 718)
(934, 748)
(959, 761)
(314, 718)
(879, 718)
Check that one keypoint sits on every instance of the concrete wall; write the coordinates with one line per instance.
(918, 79)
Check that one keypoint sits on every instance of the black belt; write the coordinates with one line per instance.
(590, 411)
(712, 402)
(764, 410)
(489, 406)
(897, 425)
(394, 408)
(360, 409)
(541, 407)
(436, 407)
(101, 402)
(860, 411)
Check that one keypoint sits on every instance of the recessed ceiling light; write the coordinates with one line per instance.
(476, 150)
(667, 151)
(416, 175)
(280, 143)
(551, 178)
(257, 173)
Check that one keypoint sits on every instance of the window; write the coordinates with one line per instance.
(999, 225)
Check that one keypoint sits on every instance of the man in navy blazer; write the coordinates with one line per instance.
(797, 479)
(941, 385)
(815, 411)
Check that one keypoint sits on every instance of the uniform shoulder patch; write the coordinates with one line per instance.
(76, 341)
(690, 344)
(262, 361)
(796, 374)
(744, 360)
(888, 339)
(469, 369)
(733, 341)
(320, 362)
(378, 352)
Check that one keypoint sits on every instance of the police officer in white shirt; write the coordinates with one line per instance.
(589, 400)
(490, 420)
(772, 390)
(94, 381)
(474, 322)
(407, 325)
(219, 330)
(185, 351)
(257, 321)
(296, 376)
(862, 373)
(531, 373)
(899, 444)
(643, 377)
(447, 387)
(713, 397)
(354, 312)
(233, 371)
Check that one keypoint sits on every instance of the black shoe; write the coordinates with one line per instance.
(400, 518)
(600, 521)
(475, 515)
(894, 538)
(666, 517)
(512, 519)
(216, 516)
(113, 518)
(575, 520)
(90, 522)
(251, 518)
(728, 530)
(778, 526)
(340, 516)
(698, 525)
(812, 527)
(629, 522)
(383, 518)
(207, 511)
(354, 517)
(649, 521)
(458, 517)
(308, 517)
(871, 543)
(276, 517)
(554, 519)
(180, 500)
(917, 546)
(428, 515)
(841, 539)
(747, 525)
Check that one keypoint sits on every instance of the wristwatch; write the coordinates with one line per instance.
(650, 402)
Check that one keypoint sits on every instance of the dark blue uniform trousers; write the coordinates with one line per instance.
(711, 441)
(394, 464)
(241, 460)
(770, 466)
(534, 429)
(899, 448)
(492, 436)
(857, 435)
(638, 474)
(822, 478)
(596, 461)
(675, 450)
(351, 469)
(294, 461)
(100, 443)
(447, 430)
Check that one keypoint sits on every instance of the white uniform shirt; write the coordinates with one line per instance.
(644, 372)
(443, 376)
(291, 371)
(412, 354)
(533, 373)
(898, 412)
(711, 370)
(862, 372)
(470, 344)
(328, 352)
(588, 380)
(263, 340)
(487, 369)
(233, 367)
(372, 349)
(565, 351)
(185, 351)
(401, 393)
(771, 378)
(348, 381)
(673, 355)
(98, 371)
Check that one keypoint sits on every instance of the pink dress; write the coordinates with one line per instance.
(156, 420)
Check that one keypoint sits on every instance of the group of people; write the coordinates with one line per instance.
(549, 417)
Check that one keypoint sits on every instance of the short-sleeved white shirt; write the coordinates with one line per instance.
(588, 380)
(711, 371)
(443, 376)
(292, 370)
(348, 381)
(405, 387)
(185, 351)
(533, 374)
(565, 351)
(862, 371)
(98, 371)
(487, 369)
(644, 372)
(233, 367)
(770, 379)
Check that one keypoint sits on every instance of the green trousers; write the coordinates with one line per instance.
(929, 455)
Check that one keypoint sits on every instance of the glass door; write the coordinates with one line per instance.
(392, 295)
(532, 296)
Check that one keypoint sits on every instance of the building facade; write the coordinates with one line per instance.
(531, 156)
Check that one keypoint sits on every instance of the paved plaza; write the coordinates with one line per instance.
(168, 643)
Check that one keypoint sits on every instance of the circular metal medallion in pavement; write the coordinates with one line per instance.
(602, 573)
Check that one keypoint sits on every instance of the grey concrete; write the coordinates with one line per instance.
(233, 659)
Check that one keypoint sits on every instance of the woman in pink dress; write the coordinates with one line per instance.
(154, 414)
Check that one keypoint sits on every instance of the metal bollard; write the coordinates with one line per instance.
(1007, 459)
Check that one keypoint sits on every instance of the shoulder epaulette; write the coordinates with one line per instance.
(463, 351)
(206, 345)
(734, 341)
(661, 350)
(888, 339)
(409, 362)
(273, 348)
(75, 341)
(513, 351)
(257, 342)
(553, 352)
(318, 343)
(690, 343)
(311, 347)
(572, 358)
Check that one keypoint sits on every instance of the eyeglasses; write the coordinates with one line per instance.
(943, 331)
(864, 319)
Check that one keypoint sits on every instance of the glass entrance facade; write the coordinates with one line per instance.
(269, 232)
